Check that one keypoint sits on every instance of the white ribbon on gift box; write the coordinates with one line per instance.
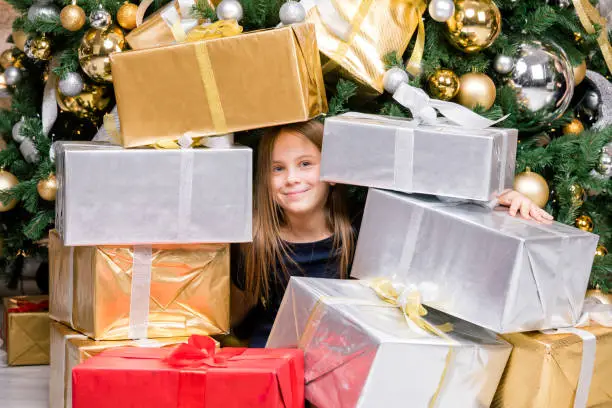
(179, 21)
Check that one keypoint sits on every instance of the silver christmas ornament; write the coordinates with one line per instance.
(292, 12)
(229, 10)
(29, 151)
(12, 75)
(543, 80)
(441, 10)
(503, 64)
(605, 162)
(16, 132)
(71, 85)
(100, 19)
(591, 100)
(604, 88)
(27, 49)
(41, 11)
(393, 78)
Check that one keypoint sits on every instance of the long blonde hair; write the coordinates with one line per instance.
(268, 249)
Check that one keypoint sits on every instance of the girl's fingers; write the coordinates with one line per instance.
(537, 214)
(514, 206)
(525, 208)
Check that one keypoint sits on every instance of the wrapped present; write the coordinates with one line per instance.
(401, 155)
(26, 330)
(136, 292)
(565, 368)
(69, 348)
(203, 88)
(355, 36)
(487, 267)
(191, 375)
(360, 350)
(109, 195)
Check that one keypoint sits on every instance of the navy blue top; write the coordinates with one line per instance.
(315, 260)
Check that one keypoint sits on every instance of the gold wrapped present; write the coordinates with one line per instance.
(567, 369)
(26, 330)
(355, 36)
(135, 292)
(212, 87)
(69, 348)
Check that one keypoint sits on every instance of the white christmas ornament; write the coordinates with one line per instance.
(292, 12)
(229, 10)
(441, 10)
(393, 78)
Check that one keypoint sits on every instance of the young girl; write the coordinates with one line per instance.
(301, 224)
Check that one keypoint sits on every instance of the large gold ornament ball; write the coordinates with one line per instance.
(533, 186)
(476, 89)
(601, 251)
(474, 26)
(40, 48)
(72, 17)
(573, 128)
(579, 73)
(443, 84)
(6, 58)
(585, 223)
(47, 188)
(90, 103)
(126, 16)
(95, 49)
(19, 39)
(7, 181)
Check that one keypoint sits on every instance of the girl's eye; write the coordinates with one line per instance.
(277, 169)
(305, 163)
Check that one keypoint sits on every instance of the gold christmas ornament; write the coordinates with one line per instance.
(578, 194)
(90, 103)
(443, 84)
(533, 186)
(601, 251)
(580, 73)
(585, 223)
(7, 181)
(19, 39)
(73, 17)
(126, 16)
(40, 48)
(476, 89)
(95, 49)
(474, 26)
(6, 58)
(47, 188)
(573, 128)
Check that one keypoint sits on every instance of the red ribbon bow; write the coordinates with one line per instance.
(27, 306)
(198, 351)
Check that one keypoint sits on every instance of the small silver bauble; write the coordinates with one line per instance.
(229, 10)
(543, 80)
(16, 132)
(100, 19)
(503, 64)
(591, 100)
(71, 85)
(29, 151)
(12, 75)
(605, 162)
(393, 78)
(441, 10)
(292, 12)
(39, 11)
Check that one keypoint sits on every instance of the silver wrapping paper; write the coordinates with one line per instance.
(401, 155)
(108, 195)
(487, 267)
(360, 352)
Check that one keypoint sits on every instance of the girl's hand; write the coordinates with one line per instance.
(519, 203)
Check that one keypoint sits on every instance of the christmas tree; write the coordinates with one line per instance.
(545, 65)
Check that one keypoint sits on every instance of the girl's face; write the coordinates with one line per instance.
(295, 183)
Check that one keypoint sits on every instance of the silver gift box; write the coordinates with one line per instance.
(487, 267)
(361, 352)
(401, 155)
(109, 195)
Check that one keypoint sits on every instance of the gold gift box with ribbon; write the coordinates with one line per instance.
(136, 292)
(568, 369)
(69, 348)
(26, 330)
(355, 36)
(218, 86)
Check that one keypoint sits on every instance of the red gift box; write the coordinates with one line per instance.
(190, 375)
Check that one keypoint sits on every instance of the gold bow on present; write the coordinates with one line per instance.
(219, 29)
(589, 17)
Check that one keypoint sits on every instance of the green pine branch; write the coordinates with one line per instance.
(202, 10)
(345, 90)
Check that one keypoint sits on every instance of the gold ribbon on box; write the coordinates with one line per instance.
(589, 17)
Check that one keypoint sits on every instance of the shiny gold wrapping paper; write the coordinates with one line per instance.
(189, 294)
(543, 370)
(378, 28)
(253, 80)
(69, 348)
(26, 334)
